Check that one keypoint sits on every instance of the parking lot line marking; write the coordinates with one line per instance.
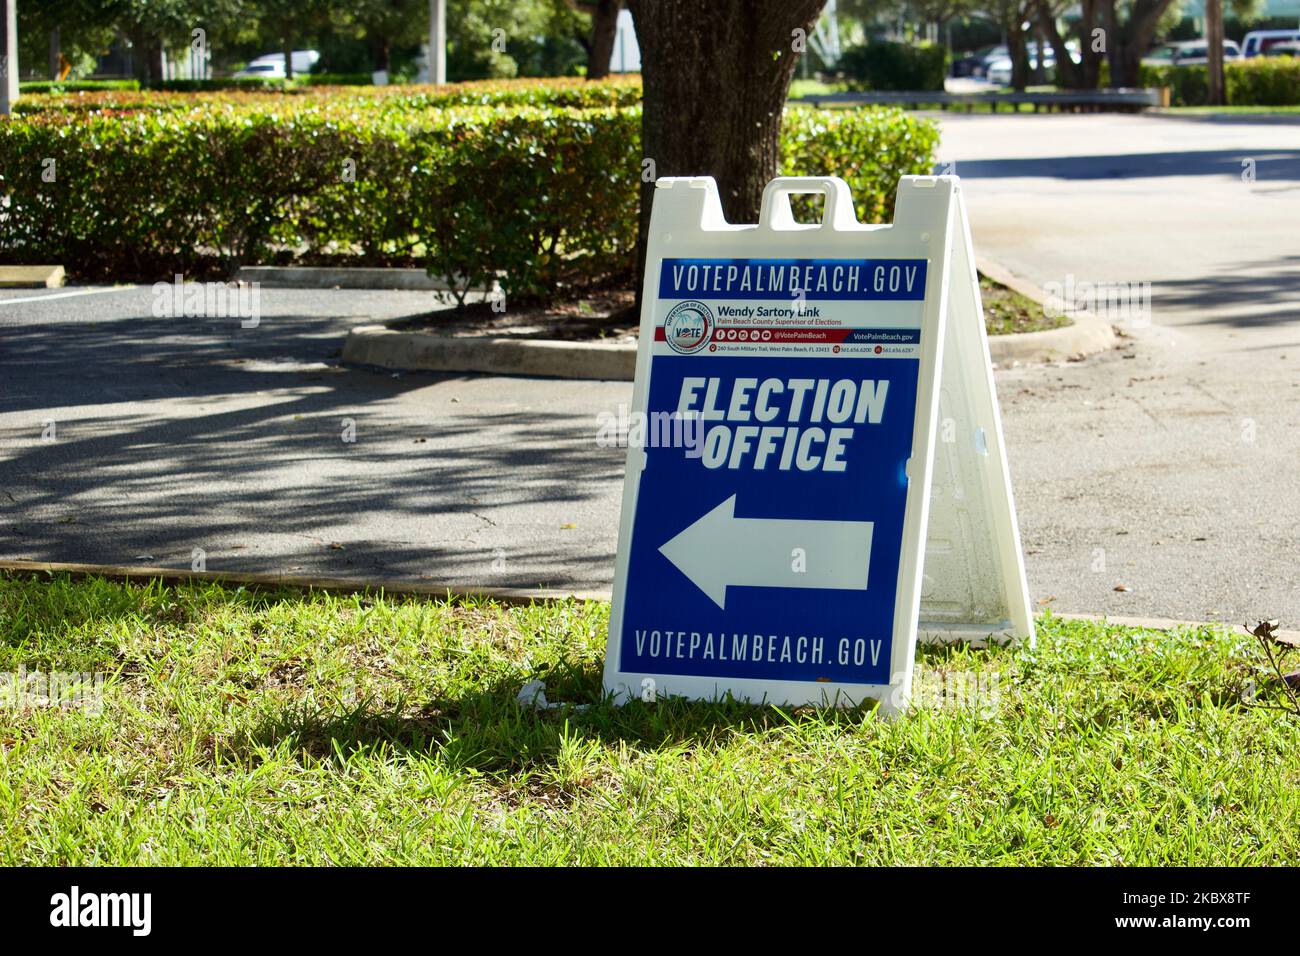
(66, 295)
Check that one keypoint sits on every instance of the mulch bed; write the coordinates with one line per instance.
(606, 315)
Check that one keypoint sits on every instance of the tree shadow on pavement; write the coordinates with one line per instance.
(1243, 295)
(201, 435)
(1273, 166)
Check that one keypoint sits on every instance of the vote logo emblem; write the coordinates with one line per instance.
(688, 326)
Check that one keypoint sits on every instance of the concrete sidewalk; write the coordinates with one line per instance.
(1171, 467)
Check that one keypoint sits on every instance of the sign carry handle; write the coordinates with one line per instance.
(837, 212)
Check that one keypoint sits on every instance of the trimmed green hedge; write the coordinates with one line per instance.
(882, 65)
(1259, 81)
(278, 95)
(75, 86)
(868, 148)
(544, 198)
(221, 85)
(1187, 84)
(339, 79)
(1263, 81)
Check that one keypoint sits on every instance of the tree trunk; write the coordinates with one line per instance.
(1090, 68)
(604, 30)
(716, 74)
(138, 63)
(1019, 55)
(1214, 52)
(1067, 72)
(288, 59)
(1110, 22)
(1127, 46)
(155, 60)
(56, 54)
(1129, 60)
(1040, 46)
(380, 53)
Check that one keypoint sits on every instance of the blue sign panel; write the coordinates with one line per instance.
(768, 520)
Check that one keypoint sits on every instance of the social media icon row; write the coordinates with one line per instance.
(743, 335)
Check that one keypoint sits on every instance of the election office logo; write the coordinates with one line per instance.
(688, 326)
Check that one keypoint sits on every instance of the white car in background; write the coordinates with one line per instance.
(1258, 42)
(1189, 53)
(999, 70)
(270, 66)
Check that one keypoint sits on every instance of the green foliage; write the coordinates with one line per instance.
(542, 198)
(881, 65)
(1260, 81)
(1188, 85)
(305, 92)
(387, 21)
(541, 37)
(869, 148)
(86, 27)
(218, 85)
(30, 87)
(547, 199)
(499, 39)
(339, 79)
(1263, 81)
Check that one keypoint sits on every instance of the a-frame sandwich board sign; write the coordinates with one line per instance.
(799, 385)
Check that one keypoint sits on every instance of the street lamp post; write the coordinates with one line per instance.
(437, 41)
(8, 55)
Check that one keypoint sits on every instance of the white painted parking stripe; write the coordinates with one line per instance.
(67, 295)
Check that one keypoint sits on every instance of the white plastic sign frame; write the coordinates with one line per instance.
(979, 533)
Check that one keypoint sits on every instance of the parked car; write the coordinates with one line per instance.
(263, 70)
(975, 63)
(999, 71)
(1259, 42)
(1287, 48)
(989, 56)
(1188, 53)
(270, 66)
(1162, 55)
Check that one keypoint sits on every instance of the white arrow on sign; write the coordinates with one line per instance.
(720, 549)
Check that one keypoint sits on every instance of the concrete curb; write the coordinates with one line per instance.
(322, 277)
(426, 351)
(493, 355)
(31, 277)
(1086, 335)
(1162, 623)
(450, 591)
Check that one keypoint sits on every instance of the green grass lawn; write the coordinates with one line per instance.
(802, 88)
(251, 727)
(1007, 311)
